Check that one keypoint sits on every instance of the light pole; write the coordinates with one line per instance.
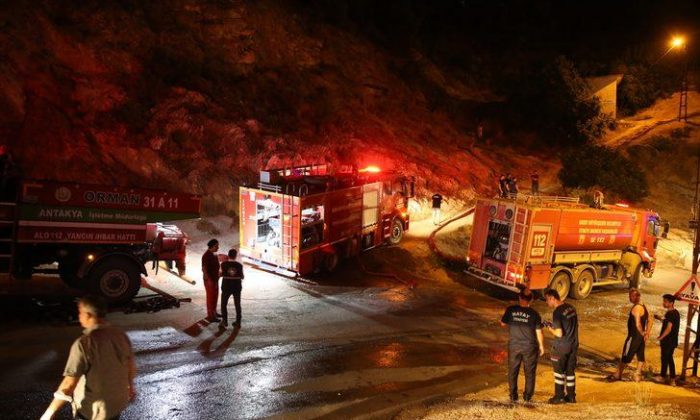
(679, 44)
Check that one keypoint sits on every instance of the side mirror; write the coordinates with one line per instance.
(667, 227)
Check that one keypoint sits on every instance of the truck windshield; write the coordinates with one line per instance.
(653, 228)
(497, 241)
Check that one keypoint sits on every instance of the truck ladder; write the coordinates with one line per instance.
(288, 236)
(519, 235)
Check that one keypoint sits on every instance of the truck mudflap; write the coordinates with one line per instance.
(491, 278)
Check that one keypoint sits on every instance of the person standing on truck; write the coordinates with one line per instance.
(638, 331)
(525, 344)
(668, 338)
(535, 183)
(503, 186)
(437, 202)
(98, 379)
(231, 285)
(210, 271)
(513, 187)
(564, 328)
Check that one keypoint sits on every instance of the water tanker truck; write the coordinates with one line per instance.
(556, 242)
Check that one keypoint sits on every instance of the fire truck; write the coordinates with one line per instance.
(302, 220)
(556, 242)
(95, 237)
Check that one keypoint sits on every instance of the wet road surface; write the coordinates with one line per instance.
(305, 350)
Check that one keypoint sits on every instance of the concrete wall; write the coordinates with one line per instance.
(608, 99)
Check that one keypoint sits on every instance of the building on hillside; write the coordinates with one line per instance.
(605, 89)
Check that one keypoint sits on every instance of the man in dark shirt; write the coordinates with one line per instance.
(535, 183)
(668, 338)
(210, 271)
(638, 331)
(231, 285)
(437, 202)
(525, 339)
(503, 186)
(564, 328)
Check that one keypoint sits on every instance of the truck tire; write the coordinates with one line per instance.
(561, 282)
(396, 233)
(117, 279)
(634, 280)
(583, 286)
(330, 261)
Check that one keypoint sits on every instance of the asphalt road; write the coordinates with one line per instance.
(306, 349)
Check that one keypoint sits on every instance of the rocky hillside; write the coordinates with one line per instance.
(200, 95)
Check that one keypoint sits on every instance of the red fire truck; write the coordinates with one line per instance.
(99, 236)
(557, 242)
(301, 220)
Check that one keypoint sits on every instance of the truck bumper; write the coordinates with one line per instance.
(491, 278)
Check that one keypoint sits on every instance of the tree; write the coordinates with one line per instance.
(590, 166)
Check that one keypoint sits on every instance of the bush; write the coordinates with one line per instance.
(598, 166)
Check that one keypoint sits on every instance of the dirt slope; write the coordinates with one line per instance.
(198, 96)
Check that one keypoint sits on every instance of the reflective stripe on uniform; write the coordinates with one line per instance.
(559, 375)
(559, 382)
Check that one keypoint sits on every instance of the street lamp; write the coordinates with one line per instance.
(678, 43)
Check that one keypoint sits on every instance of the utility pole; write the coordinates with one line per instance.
(688, 352)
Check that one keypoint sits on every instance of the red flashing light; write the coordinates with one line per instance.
(372, 169)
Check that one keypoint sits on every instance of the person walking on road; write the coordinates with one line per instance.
(535, 183)
(210, 271)
(638, 331)
(437, 202)
(525, 344)
(668, 338)
(564, 328)
(231, 285)
(98, 380)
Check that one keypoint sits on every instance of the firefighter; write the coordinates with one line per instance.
(437, 202)
(503, 186)
(513, 187)
(668, 338)
(525, 344)
(210, 271)
(535, 183)
(564, 328)
(231, 285)
(638, 331)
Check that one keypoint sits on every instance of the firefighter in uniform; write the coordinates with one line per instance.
(525, 344)
(564, 327)
(437, 202)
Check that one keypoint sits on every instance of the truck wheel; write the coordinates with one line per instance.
(330, 261)
(561, 283)
(396, 231)
(117, 279)
(582, 288)
(634, 280)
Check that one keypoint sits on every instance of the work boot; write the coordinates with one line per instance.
(556, 400)
(571, 399)
(223, 324)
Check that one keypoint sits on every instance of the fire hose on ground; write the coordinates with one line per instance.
(431, 239)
